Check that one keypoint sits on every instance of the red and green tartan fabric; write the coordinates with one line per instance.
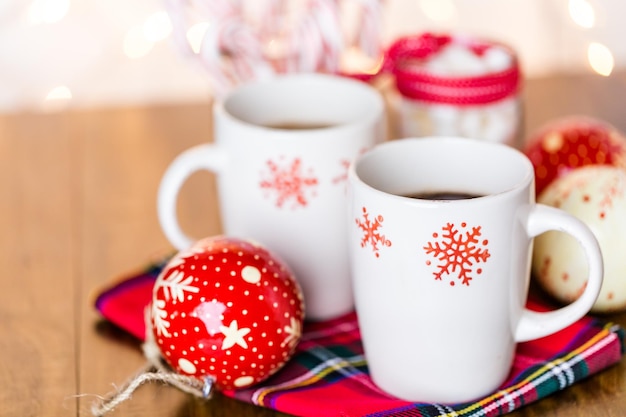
(328, 375)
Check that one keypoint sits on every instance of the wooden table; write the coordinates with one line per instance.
(77, 210)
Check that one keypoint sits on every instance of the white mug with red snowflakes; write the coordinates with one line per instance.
(281, 153)
(441, 233)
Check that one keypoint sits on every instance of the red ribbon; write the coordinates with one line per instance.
(414, 82)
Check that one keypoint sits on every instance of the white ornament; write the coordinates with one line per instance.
(596, 194)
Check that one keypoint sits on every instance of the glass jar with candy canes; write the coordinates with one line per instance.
(237, 41)
(453, 85)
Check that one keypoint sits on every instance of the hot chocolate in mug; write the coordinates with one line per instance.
(441, 233)
(281, 153)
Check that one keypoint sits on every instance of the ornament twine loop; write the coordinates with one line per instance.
(155, 370)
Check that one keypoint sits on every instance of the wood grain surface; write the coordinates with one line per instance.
(77, 211)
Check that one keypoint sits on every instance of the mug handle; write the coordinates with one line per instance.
(208, 157)
(540, 219)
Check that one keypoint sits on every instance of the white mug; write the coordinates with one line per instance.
(441, 285)
(281, 153)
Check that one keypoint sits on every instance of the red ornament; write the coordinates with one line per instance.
(572, 142)
(227, 310)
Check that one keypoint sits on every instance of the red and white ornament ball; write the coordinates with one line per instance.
(228, 310)
(596, 195)
(570, 142)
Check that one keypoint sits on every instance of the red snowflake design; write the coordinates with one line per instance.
(371, 234)
(345, 165)
(343, 177)
(457, 251)
(288, 181)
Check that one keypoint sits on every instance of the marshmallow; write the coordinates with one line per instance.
(497, 59)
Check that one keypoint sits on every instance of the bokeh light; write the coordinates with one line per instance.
(195, 34)
(136, 45)
(57, 99)
(157, 27)
(582, 13)
(600, 58)
(439, 10)
(47, 11)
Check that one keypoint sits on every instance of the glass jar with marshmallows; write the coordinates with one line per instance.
(456, 86)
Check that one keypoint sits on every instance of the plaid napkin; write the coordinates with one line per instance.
(328, 375)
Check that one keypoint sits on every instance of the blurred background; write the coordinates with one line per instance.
(60, 54)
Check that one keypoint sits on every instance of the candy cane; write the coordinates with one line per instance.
(175, 10)
(232, 54)
(304, 47)
(233, 39)
(210, 58)
(317, 41)
(230, 51)
(329, 29)
(274, 13)
(310, 56)
(370, 27)
(218, 9)
(245, 51)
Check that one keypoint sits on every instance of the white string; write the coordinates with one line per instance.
(185, 383)
(155, 370)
